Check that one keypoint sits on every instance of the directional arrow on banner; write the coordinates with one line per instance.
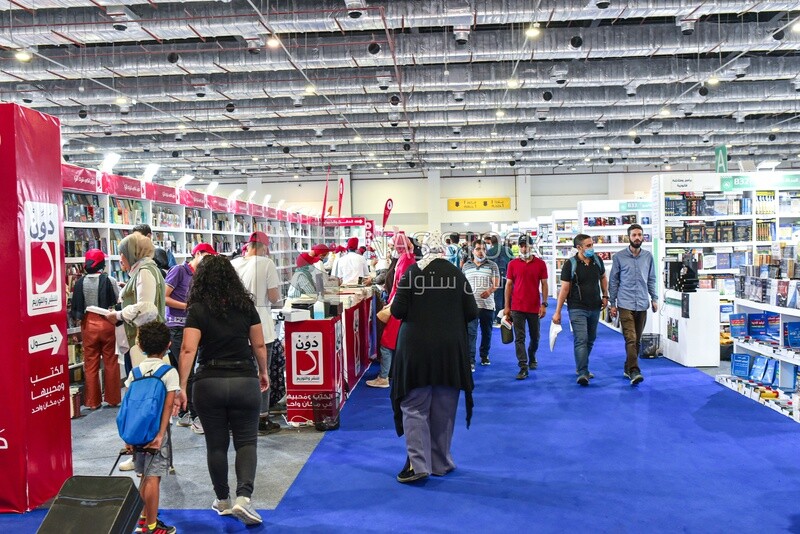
(50, 340)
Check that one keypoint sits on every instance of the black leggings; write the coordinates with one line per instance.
(234, 403)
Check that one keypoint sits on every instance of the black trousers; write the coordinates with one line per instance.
(229, 403)
(520, 319)
(176, 337)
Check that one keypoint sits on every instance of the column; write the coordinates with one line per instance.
(435, 204)
(524, 191)
(35, 440)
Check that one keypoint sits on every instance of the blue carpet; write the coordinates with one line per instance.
(677, 454)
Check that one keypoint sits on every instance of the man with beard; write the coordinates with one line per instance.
(632, 289)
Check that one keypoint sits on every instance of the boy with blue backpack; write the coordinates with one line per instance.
(144, 417)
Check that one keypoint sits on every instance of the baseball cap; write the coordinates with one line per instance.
(321, 249)
(95, 256)
(259, 237)
(525, 240)
(204, 247)
(305, 259)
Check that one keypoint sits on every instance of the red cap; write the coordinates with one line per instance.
(352, 243)
(259, 237)
(95, 255)
(305, 259)
(321, 249)
(370, 249)
(339, 248)
(362, 250)
(204, 247)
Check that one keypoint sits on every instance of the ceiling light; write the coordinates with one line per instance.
(174, 171)
(225, 144)
(494, 133)
(91, 148)
(606, 148)
(357, 139)
(310, 89)
(150, 171)
(121, 100)
(573, 168)
(296, 176)
(664, 112)
(488, 150)
(694, 158)
(713, 81)
(480, 171)
(24, 55)
(533, 31)
(181, 126)
(212, 186)
(668, 167)
(513, 83)
(255, 158)
(371, 154)
(632, 133)
(500, 113)
(796, 27)
(379, 165)
(273, 42)
(587, 160)
(483, 162)
(110, 159)
(775, 129)
(386, 173)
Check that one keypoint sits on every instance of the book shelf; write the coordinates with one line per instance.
(545, 238)
(565, 228)
(607, 222)
(101, 209)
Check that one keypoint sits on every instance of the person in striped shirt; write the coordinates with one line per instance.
(483, 276)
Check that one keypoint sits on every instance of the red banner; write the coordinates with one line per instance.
(341, 195)
(272, 213)
(241, 207)
(80, 179)
(387, 209)
(216, 203)
(304, 219)
(369, 232)
(257, 210)
(122, 186)
(192, 199)
(294, 217)
(344, 221)
(282, 215)
(35, 440)
(160, 193)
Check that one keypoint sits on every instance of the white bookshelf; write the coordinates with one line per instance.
(565, 228)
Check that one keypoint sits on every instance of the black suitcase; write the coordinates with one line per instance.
(94, 504)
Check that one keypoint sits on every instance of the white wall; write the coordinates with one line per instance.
(410, 193)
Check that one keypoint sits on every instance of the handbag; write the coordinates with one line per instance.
(506, 332)
(385, 314)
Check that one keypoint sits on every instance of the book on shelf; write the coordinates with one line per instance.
(126, 211)
(83, 208)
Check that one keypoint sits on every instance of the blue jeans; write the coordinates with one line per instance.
(484, 320)
(386, 361)
(584, 332)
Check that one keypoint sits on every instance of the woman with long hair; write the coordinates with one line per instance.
(231, 374)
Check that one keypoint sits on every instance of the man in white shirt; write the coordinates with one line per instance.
(260, 277)
(352, 265)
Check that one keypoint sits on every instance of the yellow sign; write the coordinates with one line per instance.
(464, 204)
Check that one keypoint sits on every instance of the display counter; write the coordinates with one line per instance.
(690, 327)
(327, 357)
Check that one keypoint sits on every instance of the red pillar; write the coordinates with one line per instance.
(35, 441)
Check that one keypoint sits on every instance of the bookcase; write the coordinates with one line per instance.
(101, 209)
(565, 228)
(544, 235)
(607, 222)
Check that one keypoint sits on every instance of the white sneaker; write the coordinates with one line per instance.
(222, 507)
(197, 426)
(244, 511)
(127, 465)
(185, 420)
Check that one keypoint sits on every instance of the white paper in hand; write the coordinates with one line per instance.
(555, 329)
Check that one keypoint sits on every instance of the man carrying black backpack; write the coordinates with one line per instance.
(584, 287)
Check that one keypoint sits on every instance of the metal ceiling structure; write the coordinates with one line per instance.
(248, 89)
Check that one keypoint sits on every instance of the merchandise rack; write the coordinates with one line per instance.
(100, 209)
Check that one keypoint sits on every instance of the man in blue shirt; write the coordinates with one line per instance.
(631, 290)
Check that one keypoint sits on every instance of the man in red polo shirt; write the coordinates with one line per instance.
(525, 303)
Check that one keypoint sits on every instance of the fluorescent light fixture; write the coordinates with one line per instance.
(185, 179)
(694, 158)
(775, 129)
(174, 171)
(267, 198)
(480, 171)
(668, 167)
(251, 195)
(513, 83)
(212, 186)
(494, 133)
(371, 154)
(587, 160)
(23, 55)
(255, 158)
(665, 112)
(606, 148)
(273, 42)
(357, 138)
(181, 126)
(483, 162)
(110, 159)
(150, 171)
(225, 144)
(121, 100)
(379, 165)
(235, 194)
(280, 203)
(500, 113)
(385, 173)
(91, 148)
(713, 81)
(632, 133)
(310, 89)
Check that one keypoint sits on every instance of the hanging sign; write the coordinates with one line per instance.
(341, 196)
(387, 210)
(73, 177)
(191, 198)
(721, 159)
(160, 193)
(470, 204)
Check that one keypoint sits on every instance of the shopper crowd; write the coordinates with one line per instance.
(211, 319)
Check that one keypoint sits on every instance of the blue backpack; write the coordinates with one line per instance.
(139, 417)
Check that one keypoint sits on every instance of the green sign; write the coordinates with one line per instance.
(672, 302)
(635, 205)
(770, 180)
(721, 159)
